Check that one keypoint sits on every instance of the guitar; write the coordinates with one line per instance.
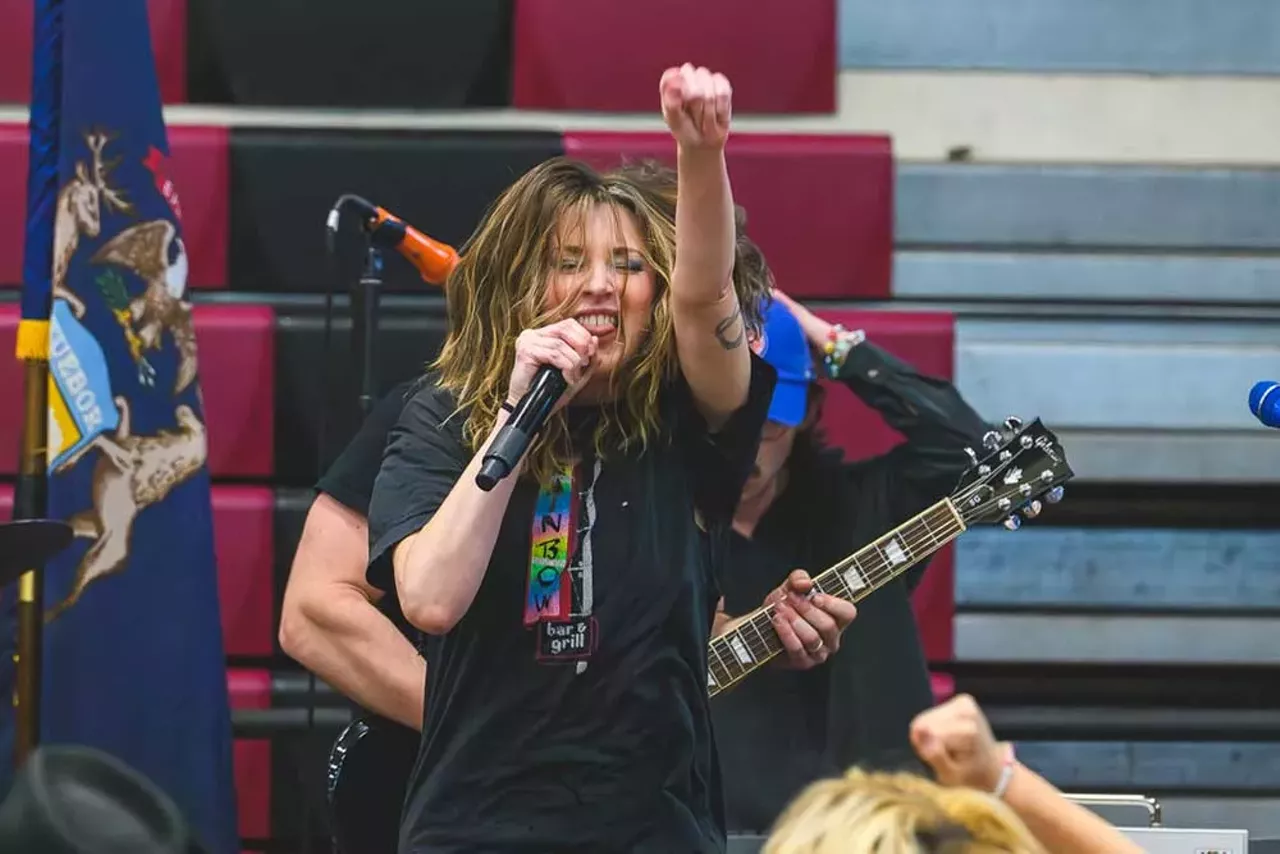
(371, 761)
(369, 768)
(1030, 465)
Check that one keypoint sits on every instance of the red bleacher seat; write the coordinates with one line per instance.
(821, 207)
(13, 200)
(927, 341)
(237, 371)
(609, 54)
(201, 172)
(943, 685)
(251, 689)
(168, 40)
(244, 538)
(200, 169)
(244, 543)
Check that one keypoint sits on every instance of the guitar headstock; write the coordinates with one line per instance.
(1023, 464)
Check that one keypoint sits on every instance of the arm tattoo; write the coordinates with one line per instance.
(724, 327)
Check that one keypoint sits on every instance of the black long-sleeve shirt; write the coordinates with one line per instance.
(780, 729)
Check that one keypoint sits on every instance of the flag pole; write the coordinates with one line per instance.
(30, 502)
(31, 492)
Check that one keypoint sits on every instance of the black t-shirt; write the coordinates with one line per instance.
(780, 729)
(349, 479)
(592, 734)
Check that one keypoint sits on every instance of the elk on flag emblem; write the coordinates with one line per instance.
(132, 649)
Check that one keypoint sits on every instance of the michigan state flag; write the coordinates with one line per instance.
(133, 660)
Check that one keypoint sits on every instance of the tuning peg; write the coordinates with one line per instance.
(1032, 510)
(1014, 522)
(991, 439)
(973, 455)
(1054, 495)
(1013, 423)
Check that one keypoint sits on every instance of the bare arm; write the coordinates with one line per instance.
(710, 335)
(439, 567)
(330, 624)
(437, 571)
(1062, 826)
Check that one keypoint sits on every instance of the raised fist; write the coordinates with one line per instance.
(955, 739)
(696, 105)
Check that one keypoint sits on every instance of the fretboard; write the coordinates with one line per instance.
(752, 641)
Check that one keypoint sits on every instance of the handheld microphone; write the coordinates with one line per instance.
(433, 260)
(516, 435)
(1264, 402)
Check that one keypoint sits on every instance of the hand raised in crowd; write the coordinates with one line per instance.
(816, 330)
(565, 344)
(956, 741)
(697, 106)
(809, 623)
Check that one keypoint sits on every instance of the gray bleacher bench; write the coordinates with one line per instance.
(1158, 839)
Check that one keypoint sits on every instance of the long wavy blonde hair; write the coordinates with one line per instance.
(499, 288)
(881, 813)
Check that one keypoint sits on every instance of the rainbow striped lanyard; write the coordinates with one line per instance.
(548, 593)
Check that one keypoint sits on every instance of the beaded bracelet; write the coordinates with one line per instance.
(837, 346)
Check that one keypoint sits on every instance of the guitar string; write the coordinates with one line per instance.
(764, 650)
(956, 502)
(766, 646)
(831, 582)
(872, 578)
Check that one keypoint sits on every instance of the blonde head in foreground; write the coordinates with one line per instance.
(877, 813)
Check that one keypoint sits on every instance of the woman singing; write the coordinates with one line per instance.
(566, 613)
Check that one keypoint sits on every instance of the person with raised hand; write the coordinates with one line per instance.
(956, 741)
(565, 613)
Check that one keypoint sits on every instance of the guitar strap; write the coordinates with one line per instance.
(548, 593)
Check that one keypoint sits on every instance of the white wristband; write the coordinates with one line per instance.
(1006, 774)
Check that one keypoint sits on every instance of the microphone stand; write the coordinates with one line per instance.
(365, 301)
(365, 296)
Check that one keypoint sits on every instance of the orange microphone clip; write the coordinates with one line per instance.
(433, 260)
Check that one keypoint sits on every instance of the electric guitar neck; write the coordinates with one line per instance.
(1029, 464)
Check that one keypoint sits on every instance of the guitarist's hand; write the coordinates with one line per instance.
(808, 623)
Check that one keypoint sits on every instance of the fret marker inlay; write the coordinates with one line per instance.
(895, 553)
(740, 649)
(853, 579)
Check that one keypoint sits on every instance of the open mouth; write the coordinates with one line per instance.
(599, 323)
